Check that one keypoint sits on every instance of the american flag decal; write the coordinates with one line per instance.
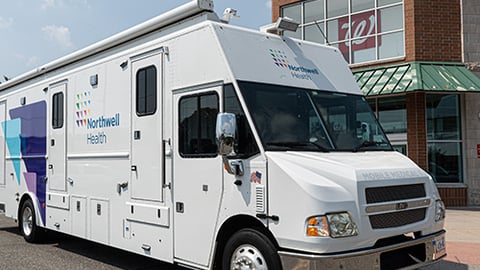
(256, 177)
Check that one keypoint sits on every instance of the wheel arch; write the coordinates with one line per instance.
(233, 225)
(30, 196)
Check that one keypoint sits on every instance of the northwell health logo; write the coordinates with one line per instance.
(280, 59)
(96, 124)
(84, 113)
(82, 104)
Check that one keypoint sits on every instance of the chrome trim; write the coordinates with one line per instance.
(122, 155)
(365, 259)
(396, 206)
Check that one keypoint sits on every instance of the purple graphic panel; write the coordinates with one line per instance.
(31, 179)
(33, 140)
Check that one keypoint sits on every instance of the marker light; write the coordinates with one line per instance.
(439, 210)
(317, 226)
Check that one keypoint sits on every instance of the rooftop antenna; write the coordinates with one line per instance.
(228, 14)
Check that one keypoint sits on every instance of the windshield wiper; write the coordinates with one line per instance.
(368, 144)
(302, 145)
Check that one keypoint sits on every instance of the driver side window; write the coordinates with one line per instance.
(198, 115)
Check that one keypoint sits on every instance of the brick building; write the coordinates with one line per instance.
(416, 61)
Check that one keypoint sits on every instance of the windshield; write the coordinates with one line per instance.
(288, 118)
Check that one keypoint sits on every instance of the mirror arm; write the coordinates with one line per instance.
(226, 165)
(238, 167)
(234, 167)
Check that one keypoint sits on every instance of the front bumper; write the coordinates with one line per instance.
(408, 255)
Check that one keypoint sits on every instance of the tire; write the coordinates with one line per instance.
(28, 223)
(250, 248)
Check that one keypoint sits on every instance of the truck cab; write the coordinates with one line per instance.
(329, 188)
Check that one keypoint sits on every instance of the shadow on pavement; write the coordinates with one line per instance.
(108, 255)
(97, 252)
(12, 230)
(447, 265)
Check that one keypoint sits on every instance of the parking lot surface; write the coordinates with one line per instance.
(66, 252)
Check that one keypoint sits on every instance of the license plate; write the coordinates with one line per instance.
(438, 247)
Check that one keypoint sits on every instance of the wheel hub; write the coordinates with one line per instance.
(248, 257)
(27, 221)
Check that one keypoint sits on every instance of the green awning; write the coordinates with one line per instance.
(417, 76)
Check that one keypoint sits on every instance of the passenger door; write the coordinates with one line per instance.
(58, 138)
(197, 173)
(147, 164)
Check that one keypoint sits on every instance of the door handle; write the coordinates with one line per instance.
(146, 247)
(180, 208)
(121, 186)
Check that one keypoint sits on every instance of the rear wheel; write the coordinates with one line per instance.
(28, 223)
(249, 249)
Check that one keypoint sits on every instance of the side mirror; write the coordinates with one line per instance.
(225, 131)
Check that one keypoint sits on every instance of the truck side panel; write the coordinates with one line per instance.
(2, 146)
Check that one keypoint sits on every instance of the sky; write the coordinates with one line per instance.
(35, 32)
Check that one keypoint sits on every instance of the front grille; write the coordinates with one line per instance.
(394, 193)
(397, 219)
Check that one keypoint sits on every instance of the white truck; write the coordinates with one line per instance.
(206, 145)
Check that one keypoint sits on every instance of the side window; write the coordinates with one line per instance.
(146, 91)
(246, 145)
(198, 115)
(57, 111)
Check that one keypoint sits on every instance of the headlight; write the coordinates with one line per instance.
(341, 225)
(333, 225)
(439, 210)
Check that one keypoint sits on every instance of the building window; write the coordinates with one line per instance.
(392, 113)
(362, 30)
(57, 111)
(146, 91)
(198, 116)
(444, 138)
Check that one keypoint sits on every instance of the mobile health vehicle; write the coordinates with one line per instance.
(211, 146)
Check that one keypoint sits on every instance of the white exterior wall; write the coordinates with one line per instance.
(472, 139)
(471, 57)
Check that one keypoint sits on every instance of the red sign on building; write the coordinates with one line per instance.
(362, 25)
(478, 150)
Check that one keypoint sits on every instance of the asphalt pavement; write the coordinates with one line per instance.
(66, 252)
(61, 252)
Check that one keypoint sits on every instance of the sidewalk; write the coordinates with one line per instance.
(463, 240)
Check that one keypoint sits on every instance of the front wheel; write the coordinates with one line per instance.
(28, 223)
(249, 249)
